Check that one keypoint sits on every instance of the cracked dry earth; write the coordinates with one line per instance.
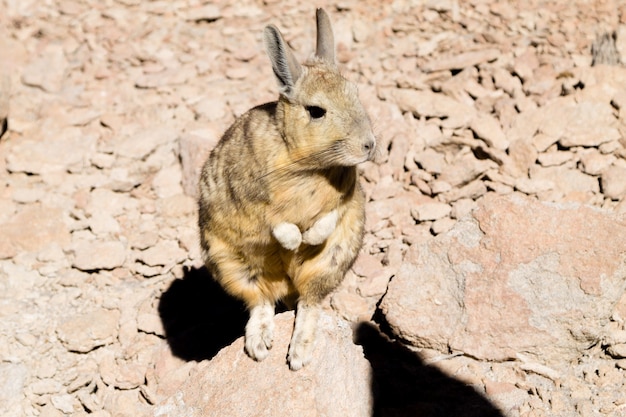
(112, 106)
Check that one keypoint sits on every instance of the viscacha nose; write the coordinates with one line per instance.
(369, 147)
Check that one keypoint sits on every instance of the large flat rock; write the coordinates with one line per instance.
(336, 383)
(517, 278)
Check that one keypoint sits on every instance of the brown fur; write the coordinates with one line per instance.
(277, 163)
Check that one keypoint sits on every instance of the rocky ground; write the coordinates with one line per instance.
(494, 260)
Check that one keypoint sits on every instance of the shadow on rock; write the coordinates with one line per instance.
(199, 317)
(403, 385)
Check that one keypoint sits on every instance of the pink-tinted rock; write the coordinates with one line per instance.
(430, 104)
(464, 169)
(431, 160)
(517, 277)
(50, 152)
(522, 156)
(164, 253)
(587, 123)
(90, 330)
(335, 383)
(430, 211)
(48, 71)
(571, 183)
(207, 12)
(462, 60)
(194, 148)
(593, 162)
(5, 90)
(145, 141)
(614, 182)
(91, 256)
(487, 128)
(33, 228)
(167, 372)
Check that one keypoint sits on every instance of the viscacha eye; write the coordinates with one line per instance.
(315, 112)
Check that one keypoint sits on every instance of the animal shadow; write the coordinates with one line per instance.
(404, 386)
(199, 317)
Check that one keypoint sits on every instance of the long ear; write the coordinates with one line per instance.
(325, 49)
(285, 66)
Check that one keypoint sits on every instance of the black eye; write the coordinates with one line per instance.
(315, 112)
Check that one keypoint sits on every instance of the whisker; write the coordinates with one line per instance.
(323, 155)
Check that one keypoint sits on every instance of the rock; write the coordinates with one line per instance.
(92, 256)
(464, 169)
(46, 386)
(335, 383)
(430, 211)
(164, 253)
(212, 108)
(542, 142)
(143, 240)
(194, 148)
(118, 373)
(167, 372)
(64, 403)
(48, 70)
(50, 410)
(50, 152)
(462, 208)
(125, 403)
(494, 297)
(488, 128)
(103, 200)
(526, 125)
(573, 184)
(144, 142)
(582, 124)
(549, 159)
(613, 182)
(533, 186)
(5, 91)
(386, 188)
(13, 377)
(431, 160)
(34, 227)
(82, 116)
(428, 104)
(366, 264)
(473, 190)
(439, 187)
(522, 156)
(23, 281)
(177, 206)
(571, 123)
(27, 195)
(375, 285)
(506, 81)
(51, 253)
(237, 73)
(351, 306)
(442, 225)
(207, 13)
(462, 60)
(617, 351)
(168, 182)
(150, 323)
(90, 330)
(594, 163)
(102, 223)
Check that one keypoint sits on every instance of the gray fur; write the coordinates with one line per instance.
(285, 66)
